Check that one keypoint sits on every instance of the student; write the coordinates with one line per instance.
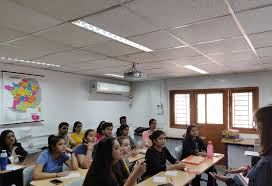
(77, 135)
(14, 149)
(102, 172)
(50, 161)
(106, 129)
(63, 131)
(84, 151)
(194, 145)
(152, 127)
(123, 121)
(124, 131)
(261, 173)
(157, 155)
(127, 150)
(99, 131)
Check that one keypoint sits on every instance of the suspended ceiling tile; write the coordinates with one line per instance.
(223, 27)
(142, 57)
(258, 20)
(9, 34)
(120, 21)
(171, 13)
(223, 46)
(24, 19)
(67, 9)
(265, 52)
(191, 61)
(113, 48)
(72, 57)
(156, 40)
(261, 39)
(72, 35)
(239, 5)
(234, 56)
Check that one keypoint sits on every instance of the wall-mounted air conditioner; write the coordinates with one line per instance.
(110, 88)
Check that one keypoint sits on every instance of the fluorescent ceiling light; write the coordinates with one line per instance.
(105, 33)
(191, 67)
(26, 61)
(115, 75)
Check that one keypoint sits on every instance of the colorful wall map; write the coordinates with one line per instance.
(21, 99)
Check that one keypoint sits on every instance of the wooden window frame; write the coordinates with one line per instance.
(227, 106)
(255, 102)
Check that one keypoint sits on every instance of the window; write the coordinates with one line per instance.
(210, 108)
(242, 106)
(233, 107)
(182, 109)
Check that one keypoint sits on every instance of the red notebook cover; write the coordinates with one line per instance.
(196, 160)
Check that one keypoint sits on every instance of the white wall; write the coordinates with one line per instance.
(66, 97)
(147, 94)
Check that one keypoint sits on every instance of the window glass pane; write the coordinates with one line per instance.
(182, 109)
(201, 108)
(215, 108)
(242, 110)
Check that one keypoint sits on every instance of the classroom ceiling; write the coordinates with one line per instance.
(218, 36)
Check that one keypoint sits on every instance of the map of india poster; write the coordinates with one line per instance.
(21, 98)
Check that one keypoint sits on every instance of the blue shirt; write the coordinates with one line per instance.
(51, 165)
(81, 149)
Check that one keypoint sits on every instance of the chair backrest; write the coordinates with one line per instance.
(27, 175)
(178, 151)
(77, 182)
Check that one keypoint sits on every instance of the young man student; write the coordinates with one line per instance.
(152, 127)
(123, 121)
(63, 131)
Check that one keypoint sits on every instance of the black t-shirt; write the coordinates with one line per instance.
(191, 147)
(156, 160)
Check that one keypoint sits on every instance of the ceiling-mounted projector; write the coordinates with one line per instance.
(134, 74)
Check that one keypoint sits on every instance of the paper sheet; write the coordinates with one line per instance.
(72, 175)
(159, 179)
(14, 167)
(171, 173)
(251, 153)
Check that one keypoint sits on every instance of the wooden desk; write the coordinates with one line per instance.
(182, 178)
(46, 182)
(137, 157)
(206, 164)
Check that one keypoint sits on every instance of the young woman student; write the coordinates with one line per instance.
(84, 151)
(77, 134)
(124, 131)
(194, 145)
(50, 161)
(14, 149)
(101, 172)
(157, 155)
(261, 173)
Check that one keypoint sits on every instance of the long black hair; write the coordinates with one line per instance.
(52, 141)
(99, 130)
(188, 136)
(76, 124)
(101, 171)
(3, 139)
(155, 135)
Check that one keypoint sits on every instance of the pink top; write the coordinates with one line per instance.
(146, 139)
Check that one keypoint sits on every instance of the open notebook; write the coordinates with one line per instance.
(196, 160)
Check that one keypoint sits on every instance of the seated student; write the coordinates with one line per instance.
(157, 155)
(99, 133)
(50, 161)
(14, 149)
(77, 135)
(84, 151)
(102, 173)
(106, 129)
(125, 145)
(124, 131)
(194, 145)
(63, 131)
(261, 173)
(123, 121)
(152, 127)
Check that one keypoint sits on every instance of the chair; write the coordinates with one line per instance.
(27, 175)
(178, 151)
(77, 182)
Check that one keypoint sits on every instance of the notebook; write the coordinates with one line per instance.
(196, 160)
